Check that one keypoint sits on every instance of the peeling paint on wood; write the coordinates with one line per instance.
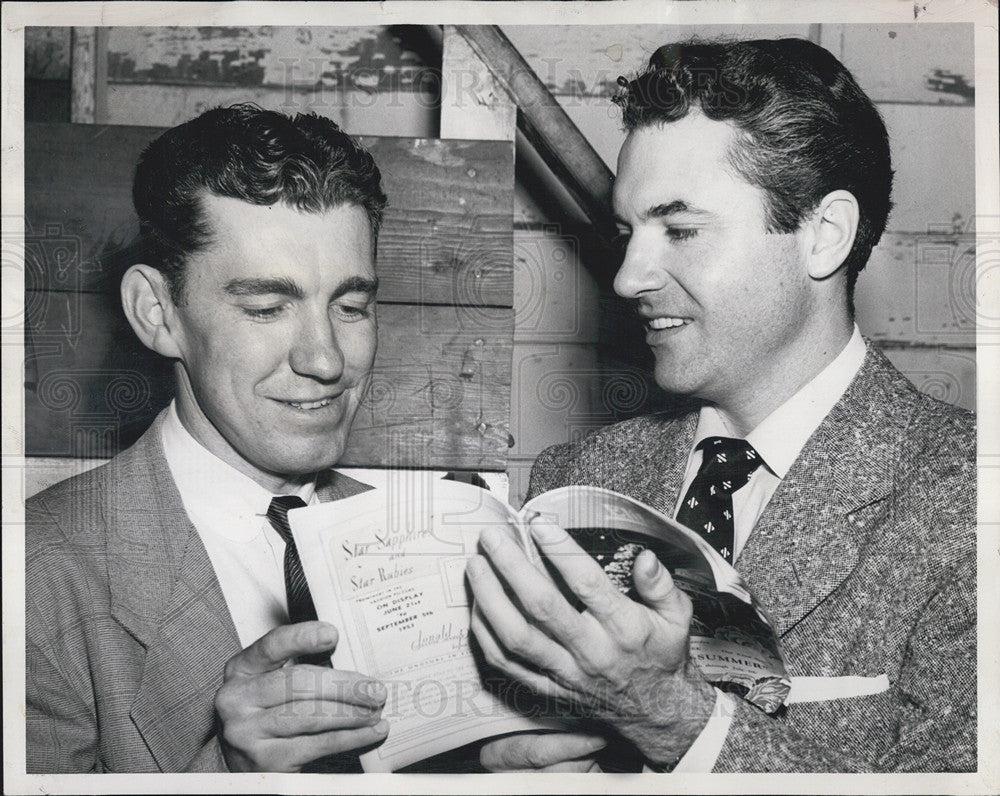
(370, 58)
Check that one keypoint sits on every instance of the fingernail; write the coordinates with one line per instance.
(545, 530)
(326, 636)
(382, 727)
(374, 689)
(651, 565)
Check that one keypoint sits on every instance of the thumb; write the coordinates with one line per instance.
(658, 591)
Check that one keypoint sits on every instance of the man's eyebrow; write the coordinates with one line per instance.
(267, 286)
(672, 208)
(281, 286)
(357, 284)
(666, 210)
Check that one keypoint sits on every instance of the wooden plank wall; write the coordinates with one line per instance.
(440, 395)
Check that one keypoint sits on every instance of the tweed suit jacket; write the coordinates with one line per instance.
(127, 629)
(865, 558)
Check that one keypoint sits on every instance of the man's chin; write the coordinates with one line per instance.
(302, 462)
(670, 381)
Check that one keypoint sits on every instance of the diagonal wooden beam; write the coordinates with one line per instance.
(546, 125)
(474, 105)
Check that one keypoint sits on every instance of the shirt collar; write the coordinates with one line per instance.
(215, 494)
(780, 437)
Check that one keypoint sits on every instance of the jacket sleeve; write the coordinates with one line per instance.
(209, 759)
(60, 725)
(548, 470)
(61, 733)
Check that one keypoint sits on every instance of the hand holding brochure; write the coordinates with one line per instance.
(732, 640)
(387, 568)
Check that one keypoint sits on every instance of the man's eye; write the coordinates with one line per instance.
(681, 233)
(352, 312)
(263, 313)
(622, 238)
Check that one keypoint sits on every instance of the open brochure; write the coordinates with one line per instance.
(387, 567)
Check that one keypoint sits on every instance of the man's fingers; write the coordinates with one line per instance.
(279, 719)
(582, 574)
(509, 626)
(287, 754)
(312, 747)
(274, 648)
(541, 599)
(541, 751)
(539, 684)
(310, 718)
(301, 683)
(658, 591)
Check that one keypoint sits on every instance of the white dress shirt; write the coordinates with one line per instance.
(778, 438)
(229, 511)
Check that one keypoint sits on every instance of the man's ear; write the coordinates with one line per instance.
(833, 226)
(150, 310)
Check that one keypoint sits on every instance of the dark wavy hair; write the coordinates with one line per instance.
(805, 126)
(244, 152)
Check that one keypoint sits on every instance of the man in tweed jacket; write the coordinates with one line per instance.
(145, 576)
(751, 188)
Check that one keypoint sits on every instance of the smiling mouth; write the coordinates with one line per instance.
(308, 405)
(666, 322)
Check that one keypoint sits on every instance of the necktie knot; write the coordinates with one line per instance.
(277, 514)
(727, 463)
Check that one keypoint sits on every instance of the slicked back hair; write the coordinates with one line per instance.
(805, 127)
(243, 152)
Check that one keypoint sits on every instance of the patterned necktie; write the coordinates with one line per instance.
(726, 465)
(300, 604)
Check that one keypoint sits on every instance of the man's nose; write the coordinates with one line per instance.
(642, 269)
(316, 352)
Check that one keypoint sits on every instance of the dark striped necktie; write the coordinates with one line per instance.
(300, 603)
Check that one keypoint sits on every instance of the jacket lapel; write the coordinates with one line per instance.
(654, 475)
(164, 592)
(676, 457)
(809, 538)
(332, 485)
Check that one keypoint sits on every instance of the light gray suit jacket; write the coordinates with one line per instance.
(127, 628)
(865, 557)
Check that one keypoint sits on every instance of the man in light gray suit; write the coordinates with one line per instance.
(145, 576)
(752, 186)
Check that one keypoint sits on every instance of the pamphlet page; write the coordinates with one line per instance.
(387, 567)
